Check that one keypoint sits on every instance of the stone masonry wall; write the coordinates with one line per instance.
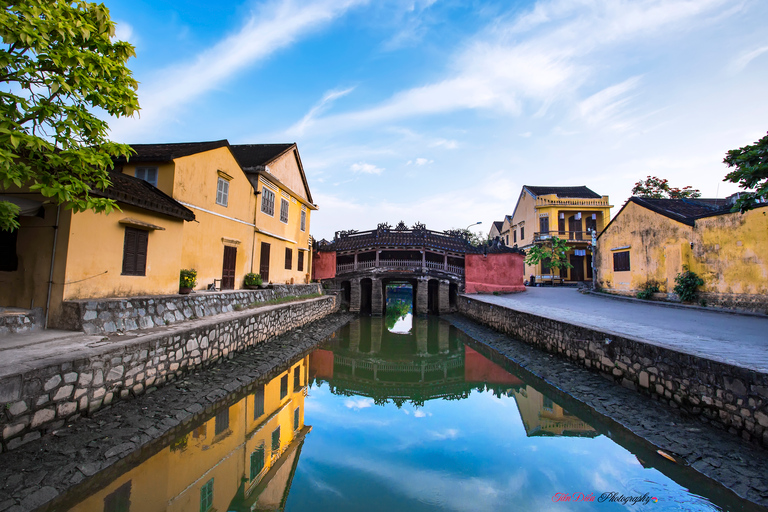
(13, 320)
(44, 399)
(729, 396)
(106, 316)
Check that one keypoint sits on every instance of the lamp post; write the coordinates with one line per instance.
(473, 224)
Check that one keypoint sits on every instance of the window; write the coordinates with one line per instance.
(591, 223)
(267, 201)
(258, 402)
(135, 252)
(206, 496)
(546, 269)
(284, 386)
(148, 174)
(288, 258)
(119, 500)
(547, 403)
(300, 262)
(9, 260)
(522, 233)
(514, 237)
(621, 261)
(222, 192)
(283, 210)
(303, 220)
(222, 422)
(296, 416)
(276, 439)
(544, 225)
(257, 461)
(296, 378)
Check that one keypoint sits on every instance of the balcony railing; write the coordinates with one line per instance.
(571, 236)
(412, 265)
(573, 201)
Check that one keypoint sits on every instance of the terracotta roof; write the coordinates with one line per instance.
(252, 156)
(168, 151)
(582, 192)
(684, 210)
(135, 192)
(400, 239)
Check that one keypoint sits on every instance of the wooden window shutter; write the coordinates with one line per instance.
(288, 258)
(135, 252)
(300, 263)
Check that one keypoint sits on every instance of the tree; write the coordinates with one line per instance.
(59, 68)
(555, 249)
(658, 188)
(474, 239)
(751, 163)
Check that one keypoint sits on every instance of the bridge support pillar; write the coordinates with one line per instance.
(421, 328)
(354, 335)
(376, 332)
(444, 298)
(354, 296)
(377, 298)
(422, 297)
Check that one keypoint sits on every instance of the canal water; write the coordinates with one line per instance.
(404, 414)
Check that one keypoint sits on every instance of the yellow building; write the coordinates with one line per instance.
(282, 216)
(650, 240)
(570, 213)
(136, 251)
(244, 458)
(543, 417)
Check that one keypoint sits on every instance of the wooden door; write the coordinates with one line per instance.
(264, 262)
(577, 272)
(228, 269)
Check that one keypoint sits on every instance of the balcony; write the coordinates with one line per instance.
(603, 202)
(399, 264)
(570, 236)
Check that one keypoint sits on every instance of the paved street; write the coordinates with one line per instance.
(736, 339)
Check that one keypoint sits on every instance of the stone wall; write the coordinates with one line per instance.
(729, 396)
(44, 399)
(105, 316)
(14, 320)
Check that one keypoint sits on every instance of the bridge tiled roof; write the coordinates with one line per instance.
(400, 239)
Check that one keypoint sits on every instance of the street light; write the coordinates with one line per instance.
(473, 224)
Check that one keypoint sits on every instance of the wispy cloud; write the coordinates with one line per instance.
(419, 162)
(365, 168)
(327, 99)
(607, 104)
(743, 60)
(271, 27)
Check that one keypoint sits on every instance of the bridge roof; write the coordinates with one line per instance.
(346, 241)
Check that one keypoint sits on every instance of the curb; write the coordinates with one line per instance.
(674, 305)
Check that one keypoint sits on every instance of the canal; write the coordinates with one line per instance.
(403, 413)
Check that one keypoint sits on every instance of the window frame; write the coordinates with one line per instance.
(288, 258)
(284, 207)
(258, 402)
(134, 263)
(300, 261)
(206, 496)
(144, 169)
(259, 468)
(619, 264)
(275, 446)
(284, 386)
(268, 201)
(222, 192)
(303, 220)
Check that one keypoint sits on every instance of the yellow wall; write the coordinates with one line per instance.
(286, 169)
(165, 174)
(172, 479)
(730, 251)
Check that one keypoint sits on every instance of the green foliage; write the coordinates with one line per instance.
(180, 443)
(59, 68)
(556, 249)
(396, 310)
(475, 239)
(686, 285)
(751, 163)
(648, 289)
(252, 279)
(187, 278)
(658, 188)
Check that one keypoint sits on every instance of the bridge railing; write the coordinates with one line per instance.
(343, 268)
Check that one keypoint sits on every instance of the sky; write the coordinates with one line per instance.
(439, 111)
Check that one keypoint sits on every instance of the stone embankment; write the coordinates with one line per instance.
(106, 316)
(57, 471)
(733, 397)
(43, 399)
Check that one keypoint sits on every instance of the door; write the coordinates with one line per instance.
(228, 269)
(577, 272)
(264, 262)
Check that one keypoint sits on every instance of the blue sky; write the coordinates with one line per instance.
(439, 110)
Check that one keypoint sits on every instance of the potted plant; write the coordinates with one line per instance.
(187, 280)
(253, 281)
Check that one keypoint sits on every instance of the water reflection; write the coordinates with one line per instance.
(243, 458)
(399, 311)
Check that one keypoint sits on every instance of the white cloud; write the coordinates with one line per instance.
(124, 32)
(419, 414)
(274, 26)
(365, 168)
(608, 103)
(358, 403)
(743, 60)
(326, 101)
(449, 433)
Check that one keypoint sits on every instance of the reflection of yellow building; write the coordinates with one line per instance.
(569, 213)
(244, 458)
(542, 417)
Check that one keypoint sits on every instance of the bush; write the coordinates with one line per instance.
(252, 279)
(686, 285)
(188, 278)
(647, 290)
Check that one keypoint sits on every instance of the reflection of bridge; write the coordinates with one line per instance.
(434, 263)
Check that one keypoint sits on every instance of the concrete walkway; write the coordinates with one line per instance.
(734, 339)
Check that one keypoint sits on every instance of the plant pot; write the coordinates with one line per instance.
(185, 290)
(252, 286)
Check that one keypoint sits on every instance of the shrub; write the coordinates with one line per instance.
(686, 285)
(647, 290)
(252, 279)
(187, 278)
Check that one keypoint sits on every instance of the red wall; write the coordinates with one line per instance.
(502, 272)
(321, 364)
(324, 265)
(479, 369)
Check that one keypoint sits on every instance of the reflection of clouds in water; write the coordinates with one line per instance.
(441, 489)
(403, 325)
(313, 475)
(358, 403)
(420, 414)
